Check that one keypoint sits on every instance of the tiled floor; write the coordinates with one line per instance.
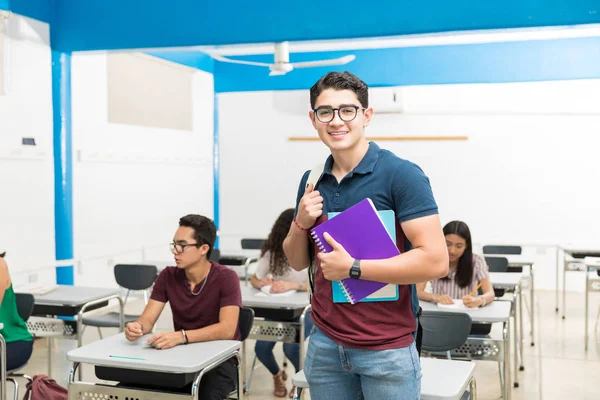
(557, 367)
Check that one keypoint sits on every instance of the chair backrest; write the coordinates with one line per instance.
(496, 249)
(252, 244)
(25, 304)
(444, 331)
(245, 322)
(135, 276)
(215, 255)
(497, 264)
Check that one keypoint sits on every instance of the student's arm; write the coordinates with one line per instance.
(284, 286)
(4, 278)
(310, 207)
(222, 330)
(486, 298)
(145, 323)
(259, 278)
(428, 260)
(433, 298)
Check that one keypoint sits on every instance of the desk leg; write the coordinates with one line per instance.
(532, 272)
(3, 368)
(473, 389)
(507, 377)
(514, 341)
(586, 307)
(521, 339)
(564, 289)
(49, 344)
(557, 276)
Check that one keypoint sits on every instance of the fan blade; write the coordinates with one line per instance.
(325, 63)
(244, 62)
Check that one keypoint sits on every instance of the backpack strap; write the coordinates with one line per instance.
(313, 177)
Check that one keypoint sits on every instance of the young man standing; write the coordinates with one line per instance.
(205, 299)
(365, 350)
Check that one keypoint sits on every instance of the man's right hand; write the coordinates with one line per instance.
(133, 331)
(310, 207)
(443, 299)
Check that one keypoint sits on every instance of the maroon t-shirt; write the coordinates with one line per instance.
(191, 312)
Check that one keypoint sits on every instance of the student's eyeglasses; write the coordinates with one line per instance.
(326, 114)
(179, 248)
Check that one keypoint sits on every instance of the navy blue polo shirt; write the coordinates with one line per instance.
(394, 184)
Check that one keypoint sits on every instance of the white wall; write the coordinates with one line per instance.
(131, 183)
(26, 174)
(525, 175)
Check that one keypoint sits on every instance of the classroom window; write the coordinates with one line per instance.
(147, 91)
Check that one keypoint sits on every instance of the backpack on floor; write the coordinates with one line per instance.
(44, 388)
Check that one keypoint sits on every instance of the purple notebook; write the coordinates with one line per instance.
(362, 233)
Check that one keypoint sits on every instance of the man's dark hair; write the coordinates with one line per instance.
(340, 81)
(205, 231)
(2, 255)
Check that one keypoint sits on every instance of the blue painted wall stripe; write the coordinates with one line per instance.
(216, 167)
(42, 10)
(196, 59)
(4, 4)
(135, 24)
(543, 60)
(63, 166)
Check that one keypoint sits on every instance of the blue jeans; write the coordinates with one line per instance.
(264, 349)
(337, 372)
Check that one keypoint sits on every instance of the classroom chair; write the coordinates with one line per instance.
(25, 304)
(509, 250)
(497, 264)
(133, 277)
(245, 322)
(444, 331)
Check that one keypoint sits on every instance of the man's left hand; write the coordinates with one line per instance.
(166, 340)
(337, 263)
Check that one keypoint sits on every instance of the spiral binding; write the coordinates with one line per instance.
(317, 241)
(319, 244)
(347, 293)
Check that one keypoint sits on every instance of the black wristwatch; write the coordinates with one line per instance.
(355, 269)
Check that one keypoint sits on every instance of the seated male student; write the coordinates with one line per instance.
(205, 299)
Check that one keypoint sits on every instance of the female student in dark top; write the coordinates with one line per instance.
(19, 342)
(467, 271)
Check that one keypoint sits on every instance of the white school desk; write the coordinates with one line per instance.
(442, 380)
(512, 281)
(517, 260)
(572, 254)
(485, 348)
(282, 310)
(68, 300)
(193, 358)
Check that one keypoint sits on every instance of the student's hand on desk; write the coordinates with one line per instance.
(337, 263)
(472, 302)
(310, 207)
(166, 340)
(265, 282)
(282, 286)
(443, 299)
(133, 331)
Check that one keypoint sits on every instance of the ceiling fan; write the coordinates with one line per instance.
(282, 64)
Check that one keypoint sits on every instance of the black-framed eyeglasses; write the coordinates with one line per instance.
(179, 248)
(347, 113)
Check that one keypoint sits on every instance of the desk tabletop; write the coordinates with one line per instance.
(254, 298)
(581, 250)
(116, 351)
(498, 311)
(445, 379)
(505, 280)
(73, 295)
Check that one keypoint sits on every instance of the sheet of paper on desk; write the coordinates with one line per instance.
(458, 305)
(267, 290)
(35, 289)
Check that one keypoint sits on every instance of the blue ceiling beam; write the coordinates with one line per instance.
(136, 24)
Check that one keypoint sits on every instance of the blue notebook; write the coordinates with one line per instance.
(389, 292)
(362, 232)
